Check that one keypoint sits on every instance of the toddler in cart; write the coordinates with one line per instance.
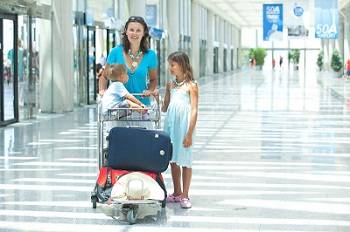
(117, 96)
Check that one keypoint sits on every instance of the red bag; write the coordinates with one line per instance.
(108, 177)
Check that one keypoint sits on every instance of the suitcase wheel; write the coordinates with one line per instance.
(94, 201)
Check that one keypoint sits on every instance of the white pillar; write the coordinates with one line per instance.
(56, 63)
(173, 25)
(195, 25)
(340, 40)
(239, 45)
(123, 11)
(137, 8)
(221, 46)
(346, 35)
(229, 47)
(210, 47)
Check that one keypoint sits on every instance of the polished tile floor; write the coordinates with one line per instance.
(272, 154)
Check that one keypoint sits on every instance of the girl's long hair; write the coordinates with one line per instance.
(144, 45)
(182, 59)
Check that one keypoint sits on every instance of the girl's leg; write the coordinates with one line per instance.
(176, 174)
(186, 180)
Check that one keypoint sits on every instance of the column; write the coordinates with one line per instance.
(123, 11)
(238, 42)
(210, 47)
(221, 46)
(56, 63)
(137, 8)
(346, 35)
(195, 25)
(325, 48)
(173, 25)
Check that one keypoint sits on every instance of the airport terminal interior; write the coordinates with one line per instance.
(271, 150)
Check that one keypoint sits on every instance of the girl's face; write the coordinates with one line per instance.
(175, 69)
(135, 32)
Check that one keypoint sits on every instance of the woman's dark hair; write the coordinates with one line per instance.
(144, 45)
(182, 59)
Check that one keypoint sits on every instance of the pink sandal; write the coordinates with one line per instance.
(185, 203)
(173, 199)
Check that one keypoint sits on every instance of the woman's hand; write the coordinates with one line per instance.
(148, 93)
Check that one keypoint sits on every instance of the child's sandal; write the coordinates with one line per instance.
(185, 203)
(172, 199)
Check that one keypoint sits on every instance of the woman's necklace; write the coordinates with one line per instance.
(134, 58)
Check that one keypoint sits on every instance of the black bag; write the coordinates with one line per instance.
(139, 149)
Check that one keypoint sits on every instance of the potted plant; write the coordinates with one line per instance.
(294, 56)
(251, 56)
(320, 61)
(259, 55)
(336, 63)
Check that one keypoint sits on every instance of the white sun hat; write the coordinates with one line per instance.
(137, 186)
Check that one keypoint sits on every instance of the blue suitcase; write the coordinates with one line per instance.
(138, 149)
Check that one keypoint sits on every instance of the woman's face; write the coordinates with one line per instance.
(135, 32)
(175, 68)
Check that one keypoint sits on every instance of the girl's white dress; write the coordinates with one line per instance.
(176, 124)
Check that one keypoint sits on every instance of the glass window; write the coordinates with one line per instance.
(248, 36)
(152, 16)
(99, 11)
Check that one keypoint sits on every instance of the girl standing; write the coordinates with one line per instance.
(181, 105)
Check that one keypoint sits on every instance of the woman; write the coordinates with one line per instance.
(141, 61)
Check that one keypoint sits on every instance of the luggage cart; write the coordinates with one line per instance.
(127, 210)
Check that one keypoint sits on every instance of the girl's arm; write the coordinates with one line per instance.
(166, 97)
(194, 112)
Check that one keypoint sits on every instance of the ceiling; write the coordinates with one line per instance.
(248, 13)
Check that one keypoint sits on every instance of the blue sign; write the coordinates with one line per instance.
(272, 22)
(151, 15)
(156, 33)
(298, 11)
(326, 19)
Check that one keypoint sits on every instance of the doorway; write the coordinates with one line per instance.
(9, 69)
(216, 60)
(99, 43)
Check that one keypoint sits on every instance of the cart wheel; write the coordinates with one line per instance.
(131, 216)
(94, 201)
(105, 157)
(161, 216)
